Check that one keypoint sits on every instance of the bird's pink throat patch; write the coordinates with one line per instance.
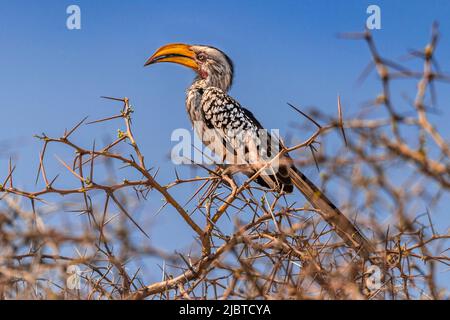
(203, 74)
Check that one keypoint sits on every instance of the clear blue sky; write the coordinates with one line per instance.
(50, 77)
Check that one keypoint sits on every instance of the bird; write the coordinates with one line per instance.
(234, 134)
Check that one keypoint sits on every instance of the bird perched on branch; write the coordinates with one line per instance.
(234, 134)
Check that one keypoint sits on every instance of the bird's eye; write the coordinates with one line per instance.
(201, 57)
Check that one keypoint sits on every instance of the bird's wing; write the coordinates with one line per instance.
(239, 138)
(230, 121)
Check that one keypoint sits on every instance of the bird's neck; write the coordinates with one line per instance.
(193, 99)
(199, 83)
(218, 80)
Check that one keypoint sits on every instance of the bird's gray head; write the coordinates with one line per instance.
(211, 64)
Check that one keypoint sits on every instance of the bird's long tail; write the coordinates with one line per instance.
(346, 230)
(289, 176)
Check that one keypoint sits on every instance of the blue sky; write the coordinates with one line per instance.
(51, 77)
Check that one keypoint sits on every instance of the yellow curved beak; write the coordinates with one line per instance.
(176, 53)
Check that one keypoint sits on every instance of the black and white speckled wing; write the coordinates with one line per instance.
(239, 138)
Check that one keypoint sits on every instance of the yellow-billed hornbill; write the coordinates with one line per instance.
(221, 122)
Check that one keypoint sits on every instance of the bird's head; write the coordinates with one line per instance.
(210, 63)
